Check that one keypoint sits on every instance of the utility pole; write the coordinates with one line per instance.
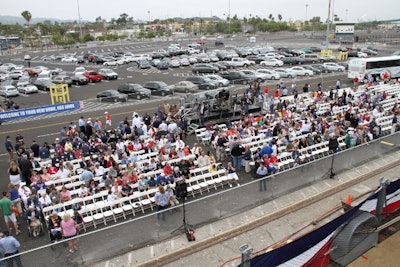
(328, 25)
(79, 21)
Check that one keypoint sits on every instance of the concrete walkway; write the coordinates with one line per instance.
(265, 225)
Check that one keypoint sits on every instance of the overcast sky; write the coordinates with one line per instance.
(354, 10)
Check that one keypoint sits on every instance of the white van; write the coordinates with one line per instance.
(313, 58)
(252, 39)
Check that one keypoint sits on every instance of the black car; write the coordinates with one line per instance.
(218, 65)
(98, 60)
(315, 49)
(321, 67)
(158, 55)
(315, 70)
(79, 79)
(80, 59)
(134, 90)
(203, 83)
(159, 88)
(43, 85)
(111, 96)
(204, 68)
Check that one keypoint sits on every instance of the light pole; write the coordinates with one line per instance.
(346, 14)
(79, 21)
(229, 15)
(328, 25)
(306, 12)
(148, 12)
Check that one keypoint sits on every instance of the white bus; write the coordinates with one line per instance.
(362, 67)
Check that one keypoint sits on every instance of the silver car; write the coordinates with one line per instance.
(8, 91)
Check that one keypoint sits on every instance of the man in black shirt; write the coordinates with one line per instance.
(35, 149)
(237, 156)
(220, 146)
(9, 147)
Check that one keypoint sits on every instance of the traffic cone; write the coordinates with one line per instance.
(349, 199)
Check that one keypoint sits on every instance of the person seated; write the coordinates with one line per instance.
(65, 194)
(93, 187)
(44, 200)
(163, 179)
(33, 218)
(54, 225)
(171, 196)
(40, 185)
(126, 190)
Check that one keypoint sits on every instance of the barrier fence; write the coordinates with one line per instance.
(101, 244)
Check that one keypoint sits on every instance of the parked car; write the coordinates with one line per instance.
(159, 88)
(292, 60)
(314, 70)
(202, 82)
(174, 63)
(93, 76)
(79, 79)
(143, 64)
(16, 74)
(269, 74)
(255, 76)
(322, 68)
(8, 66)
(185, 87)
(27, 88)
(61, 79)
(300, 71)
(134, 90)
(43, 84)
(333, 66)
(218, 80)
(108, 74)
(163, 64)
(69, 59)
(4, 75)
(272, 62)
(285, 73)
(113, 62)
(111, 96)
(184, 62)
(204, 68)
(8, 91)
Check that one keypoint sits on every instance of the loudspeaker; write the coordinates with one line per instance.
(333, 144)
(181, 189)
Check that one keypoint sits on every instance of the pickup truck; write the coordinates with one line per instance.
(93, 76)
(236, 77)
(241, 62)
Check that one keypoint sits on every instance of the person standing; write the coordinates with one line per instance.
(161, 199)
(337, 84)
(14, 173)
(9, 246)
(202, 112)
(68, 228)
(9, 147)
(9, 216)
(82, 124)
(108, 120)
(262, 171)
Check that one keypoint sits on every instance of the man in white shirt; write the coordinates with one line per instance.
(99, 170)
(62, 172)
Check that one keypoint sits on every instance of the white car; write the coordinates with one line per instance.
(272, 62)
(17, 74)
(286, 73)
(8, 90)
(269, 74)
(184, 62)
(4, 75)
(40, 68)
(333, 66)
(258, 76)
(113, 63)
(27, 89)
(8, 66)
(300, 71)
(218, 80)
(274, 55)
(108, 74)
(79, 70)
(174, 63)
(69, 59)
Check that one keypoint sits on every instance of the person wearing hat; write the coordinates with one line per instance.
(54, 225)
(9, 246)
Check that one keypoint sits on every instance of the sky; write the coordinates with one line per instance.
(347, 10)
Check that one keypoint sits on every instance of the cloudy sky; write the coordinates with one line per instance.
(353, 10)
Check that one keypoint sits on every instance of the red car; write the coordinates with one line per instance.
(93, 76)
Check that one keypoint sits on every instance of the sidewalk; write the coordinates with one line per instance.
(264, 225)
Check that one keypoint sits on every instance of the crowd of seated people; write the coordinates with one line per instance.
(149, 152)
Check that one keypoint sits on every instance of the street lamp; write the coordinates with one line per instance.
(306, 11)
(346, 14)
(79, 21)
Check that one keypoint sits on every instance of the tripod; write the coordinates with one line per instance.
(185, 227)
(332, 170)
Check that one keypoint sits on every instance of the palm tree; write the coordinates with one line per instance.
(27, 16)
(279, 17)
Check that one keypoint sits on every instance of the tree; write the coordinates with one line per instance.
(279, 17)
(122, 20)
(270, 17)
(27, 16)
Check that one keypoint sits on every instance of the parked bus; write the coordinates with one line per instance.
(362, 67)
